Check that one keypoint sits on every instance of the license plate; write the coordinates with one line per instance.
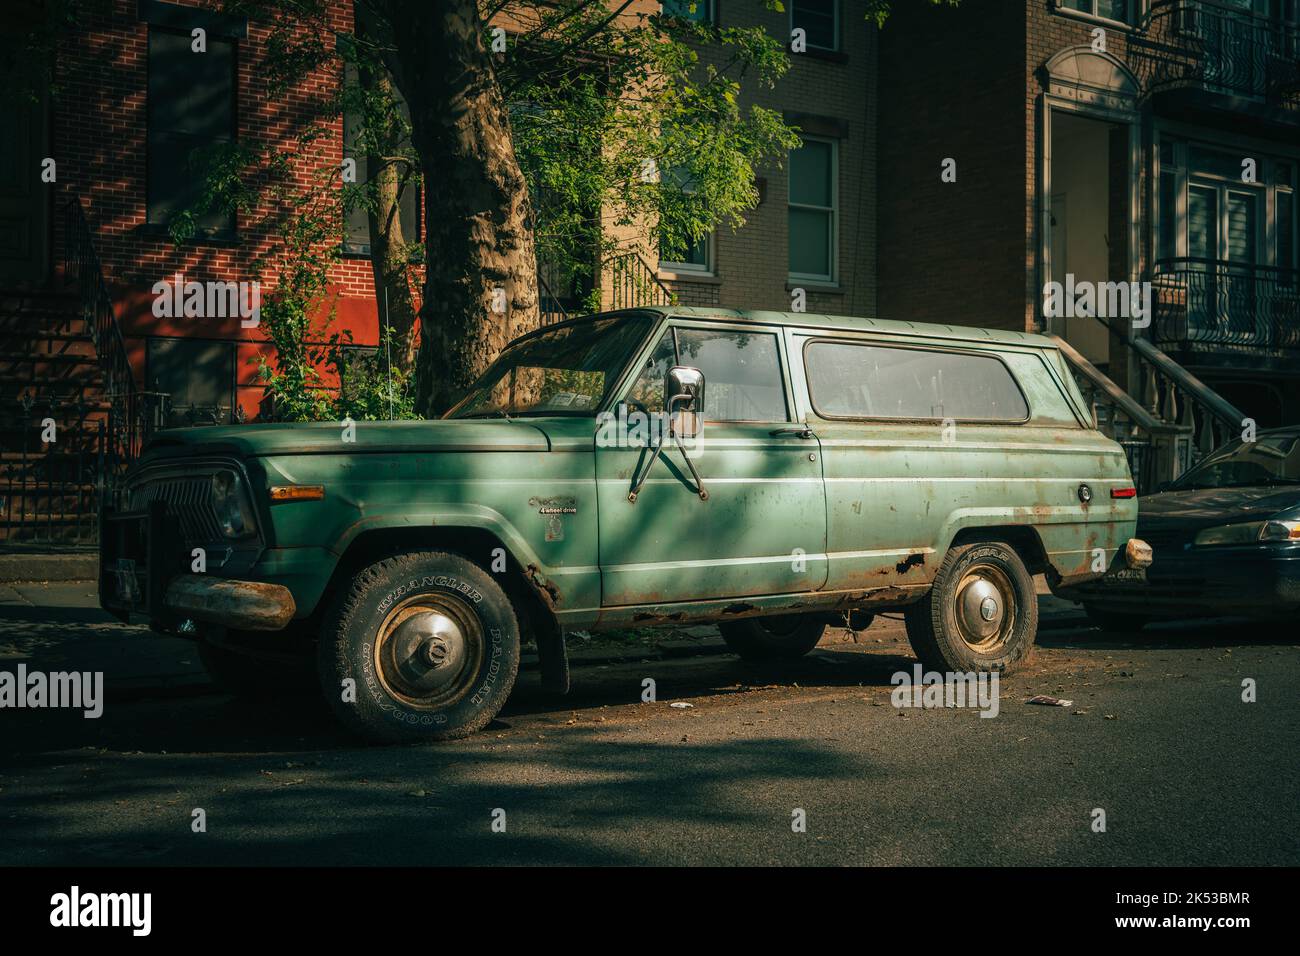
(1127, 576)
(128, 588)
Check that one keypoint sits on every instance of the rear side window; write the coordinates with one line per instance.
(853, 380)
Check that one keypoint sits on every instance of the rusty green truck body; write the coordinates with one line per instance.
(840, 460)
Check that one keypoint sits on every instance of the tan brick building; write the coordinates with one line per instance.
(824, 194)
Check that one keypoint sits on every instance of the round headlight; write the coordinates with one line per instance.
(228, 502)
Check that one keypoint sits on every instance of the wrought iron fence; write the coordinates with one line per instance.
(1207, 302)
(133, 413)
(1221, 48)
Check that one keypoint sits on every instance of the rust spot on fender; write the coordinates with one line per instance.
(547, 591)
(738, 609)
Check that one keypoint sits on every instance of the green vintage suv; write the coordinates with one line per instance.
(771, 472)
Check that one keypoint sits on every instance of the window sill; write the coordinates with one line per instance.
(699, 278)
(152, 230)
(817, 53)
(830, 288)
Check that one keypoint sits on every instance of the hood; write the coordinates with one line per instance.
(326, 438)
(1205, 507)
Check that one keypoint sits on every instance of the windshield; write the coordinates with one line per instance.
(1271, 460)
(566, 371)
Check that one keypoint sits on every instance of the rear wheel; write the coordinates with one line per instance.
(421, 646)
(1109, 620)
(981, 613)
(780, 637)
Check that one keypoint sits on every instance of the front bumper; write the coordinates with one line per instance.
(1255, 581)
(144, 569)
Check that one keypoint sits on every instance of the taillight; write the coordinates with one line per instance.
(1123, 492)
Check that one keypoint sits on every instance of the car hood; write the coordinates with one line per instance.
(1205, 507)
(327, 438)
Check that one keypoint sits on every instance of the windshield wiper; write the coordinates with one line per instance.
(494, 413)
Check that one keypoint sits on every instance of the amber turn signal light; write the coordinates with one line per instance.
(283, 493)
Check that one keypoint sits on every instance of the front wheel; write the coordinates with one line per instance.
(981, 613)
(421, 646)
(780, 637)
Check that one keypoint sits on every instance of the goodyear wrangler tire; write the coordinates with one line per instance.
(774, 638)
(981, 613)
(431, 644)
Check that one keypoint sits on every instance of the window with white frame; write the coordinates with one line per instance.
(1117, 10)
(686, 255)
(1207, 212)
(820, 21)
(814, 198)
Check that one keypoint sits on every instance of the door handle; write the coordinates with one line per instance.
(799, 431)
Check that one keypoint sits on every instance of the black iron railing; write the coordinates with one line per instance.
(133, 413)
(49, 490)
(1220, 48)
(633, 283)
(1207, 303)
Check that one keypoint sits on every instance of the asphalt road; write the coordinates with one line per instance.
(1158, 737)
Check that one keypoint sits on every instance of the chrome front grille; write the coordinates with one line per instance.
(188, 497)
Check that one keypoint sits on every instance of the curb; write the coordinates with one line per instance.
(16, 566)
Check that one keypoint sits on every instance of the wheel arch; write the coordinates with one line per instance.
(1023, 538)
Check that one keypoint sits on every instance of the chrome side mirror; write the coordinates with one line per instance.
(684, 399)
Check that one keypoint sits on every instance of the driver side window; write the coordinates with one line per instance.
(648, 389)
(742, 374)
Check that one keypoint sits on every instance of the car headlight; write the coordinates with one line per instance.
(1249, 532)
(234, 513)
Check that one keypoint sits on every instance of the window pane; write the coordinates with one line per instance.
(1113, 9)
(867, 381)
(1202, 223)
(1286, 230)
(1241, 228)
(648, 389)
(198, 375)
(190, 92)
(817, 19)
(810, 174)
(697, 255)
(742, 374)
(1214, 163)
(810, 242)
(191, 99)
(1168, 215)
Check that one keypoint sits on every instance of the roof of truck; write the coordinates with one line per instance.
(854, 323)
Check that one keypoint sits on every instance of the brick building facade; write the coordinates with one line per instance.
(1126, 127)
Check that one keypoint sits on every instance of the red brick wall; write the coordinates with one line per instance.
(99, 141)
(951, 85)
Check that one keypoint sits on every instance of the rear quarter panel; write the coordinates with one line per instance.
(899, 492)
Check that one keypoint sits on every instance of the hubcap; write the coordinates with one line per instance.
(428, 650)
(984, 607)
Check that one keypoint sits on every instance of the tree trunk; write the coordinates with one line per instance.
(389, 255)
(480, 289)
(390, 259)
